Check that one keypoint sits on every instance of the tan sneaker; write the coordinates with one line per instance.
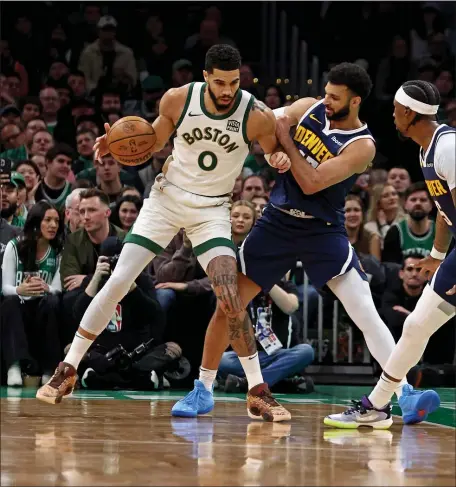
(60, 384)
(262, 405)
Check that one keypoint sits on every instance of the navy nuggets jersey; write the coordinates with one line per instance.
(318, 143)
(438, 187)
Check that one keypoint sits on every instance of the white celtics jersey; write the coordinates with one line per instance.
(209, 150)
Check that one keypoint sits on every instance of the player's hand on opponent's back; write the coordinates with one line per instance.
(452, 291)
(280, 161)
(428, 266)
(101, 144)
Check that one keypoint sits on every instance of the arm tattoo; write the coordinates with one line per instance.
(259, 105)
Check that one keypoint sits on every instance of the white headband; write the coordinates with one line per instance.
(415, 105)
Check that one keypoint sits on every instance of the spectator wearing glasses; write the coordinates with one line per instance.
(55, 186)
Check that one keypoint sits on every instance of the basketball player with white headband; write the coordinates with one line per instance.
(415, 107)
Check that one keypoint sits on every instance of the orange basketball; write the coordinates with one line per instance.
(130, 140)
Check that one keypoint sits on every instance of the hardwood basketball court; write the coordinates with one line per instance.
(129, 438)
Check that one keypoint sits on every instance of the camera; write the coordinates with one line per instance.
(112, 261)
(121, 360)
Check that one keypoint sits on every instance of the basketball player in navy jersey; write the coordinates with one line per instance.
(304, 221)
(415, 108)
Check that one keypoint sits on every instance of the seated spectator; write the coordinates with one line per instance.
(82, 247)
(11, 137)
(138, 319)
(85, 140)
(19, 180)
(126, 212)
(55, 186)
(7, 231)
(50, 101)
(400, 296)
(10, 203)
(42, 141)
(363, 241)
(281, 355)
(415, 234)
(72, 217)
(22, 152)
(77, 82)
(155, 166)
(31, 174)
(260, 203)
(183, 290)
(243, 217)
(40, 162)
(177, 270)
(384, 210)
(253, 186)
(112, 177)
(10, 114)
(30, 283)
(106, 54)
(399, 178)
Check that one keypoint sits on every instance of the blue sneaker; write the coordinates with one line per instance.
(416, 405)
(198, 401)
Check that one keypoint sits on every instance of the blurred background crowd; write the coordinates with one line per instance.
(69, 67)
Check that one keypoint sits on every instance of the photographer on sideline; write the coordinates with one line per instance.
(138, 319)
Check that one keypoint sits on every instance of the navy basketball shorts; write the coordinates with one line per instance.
(278, 240)
(445, 278)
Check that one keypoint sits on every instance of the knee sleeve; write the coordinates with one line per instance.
(430, 313)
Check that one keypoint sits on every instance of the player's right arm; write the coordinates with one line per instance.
(171, 106)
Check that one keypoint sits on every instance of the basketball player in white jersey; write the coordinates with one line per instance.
(415, 107)
(215, 123)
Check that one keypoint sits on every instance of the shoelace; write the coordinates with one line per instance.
(268, 399)
(356, 408)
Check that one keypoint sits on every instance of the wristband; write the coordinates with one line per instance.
(279, 112)
(268, 158)
(435, 254)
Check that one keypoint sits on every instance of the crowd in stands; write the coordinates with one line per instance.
(64, 215)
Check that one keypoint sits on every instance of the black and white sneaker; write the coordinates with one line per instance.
(362, 413)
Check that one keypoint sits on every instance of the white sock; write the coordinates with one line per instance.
(252, 370)
(383, 392)
(207, 377)
(77, 350)
(356, 298)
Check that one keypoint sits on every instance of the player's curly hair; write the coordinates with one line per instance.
(223, 57)
(353, 76)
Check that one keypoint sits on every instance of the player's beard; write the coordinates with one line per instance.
(215, 102)
(7, 212)
(341, 114)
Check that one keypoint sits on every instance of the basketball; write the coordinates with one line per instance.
(130, 140)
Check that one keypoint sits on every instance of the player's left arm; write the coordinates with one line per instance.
(353, 160)
(261, 126)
